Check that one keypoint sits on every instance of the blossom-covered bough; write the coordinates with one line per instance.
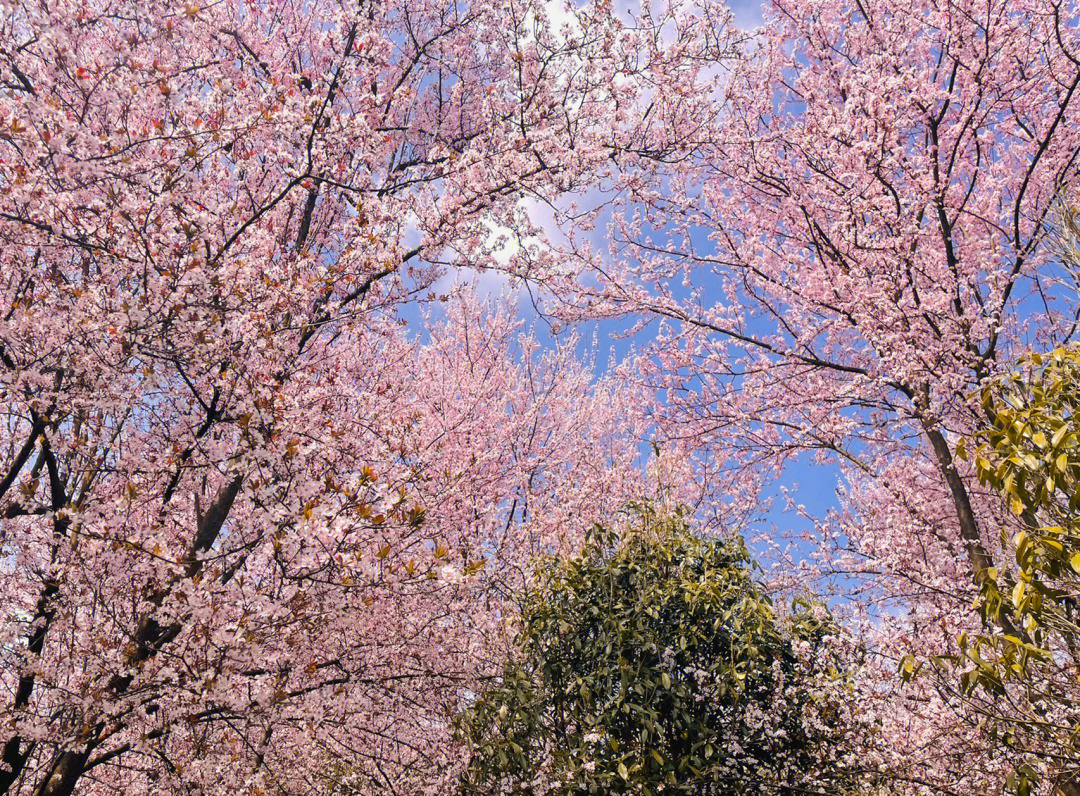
(250, 528)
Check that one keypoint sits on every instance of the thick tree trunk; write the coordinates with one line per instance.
(63, 774)
(978, 557)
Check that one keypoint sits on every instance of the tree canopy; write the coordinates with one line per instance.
(654, 662)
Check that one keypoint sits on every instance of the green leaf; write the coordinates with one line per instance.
(961, 450)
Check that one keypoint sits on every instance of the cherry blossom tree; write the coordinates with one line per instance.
(852, 239)
(254, 535)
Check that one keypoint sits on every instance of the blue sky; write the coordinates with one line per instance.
(747, 13)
